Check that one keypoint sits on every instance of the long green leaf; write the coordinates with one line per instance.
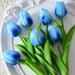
(40, 48)
(29, 45)
(38, 51)
(51, 48)
(65, 54)
(67, 45)
(47, 55)
(70, 34)
(24, 40)
(26, 52)
(51, 70)
(34, 67)
(63, 70)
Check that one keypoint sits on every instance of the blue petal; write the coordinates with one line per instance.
(12, 55)
(26, 18)
(58, 36)
(45, 17)
(19, 29)
(60, 9)
(39, 37)
(54, 33)
(13, 29)
(10, 62)
(34, 39)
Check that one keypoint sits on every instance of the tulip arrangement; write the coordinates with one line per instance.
(38, 46)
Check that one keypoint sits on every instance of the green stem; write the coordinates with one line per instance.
(47, 29)
(22, 61)
(30, 28)
(62, 22)
(20, 38)
(59, 50)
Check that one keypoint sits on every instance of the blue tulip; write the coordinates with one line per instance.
(45, 17)
(37, 37)
(26, 19)
(11, 57)
(13, 29)
(54, 33)
(60, 9)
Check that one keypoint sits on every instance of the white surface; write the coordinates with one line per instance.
(3, 5)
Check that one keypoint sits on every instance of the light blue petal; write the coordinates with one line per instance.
(39, 35)
(10, 62)
(26, 18)
(60, 9)
(45, 16)
(54, 33)
(12, 55)
(34, 39)
(13, 29)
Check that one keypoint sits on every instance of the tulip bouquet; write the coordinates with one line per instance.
(38, 46)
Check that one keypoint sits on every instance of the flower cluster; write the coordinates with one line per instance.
(38, 46)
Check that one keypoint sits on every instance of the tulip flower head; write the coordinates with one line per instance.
(37, 37)
(11, 57)
(13, 29)
(60, 9)
(26, 19)
(54, 33)
(45, 17)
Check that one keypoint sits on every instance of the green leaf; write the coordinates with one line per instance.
(38, 51)
(67, 45)
(40, 48)
(29, 45)
(65, 54)
(51, 48)
(40, 29)
(24, 40)
(70, 34)
(62, 31)
(63, 70)
(34, 67)
(39, 26)
(57, 23)
(51, 70)
(26, 52)
(47, 55)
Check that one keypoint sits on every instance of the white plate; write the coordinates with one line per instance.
(7, 42)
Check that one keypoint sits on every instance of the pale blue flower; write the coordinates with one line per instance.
(60, 9)
(11, 57)
(54, 33)
(26, 19)
(37, 37)
(45, 17)
(13, 29)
